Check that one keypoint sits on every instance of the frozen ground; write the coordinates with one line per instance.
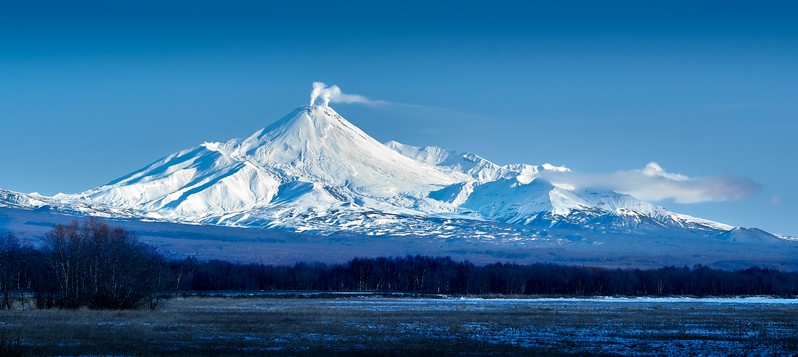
(377, 325)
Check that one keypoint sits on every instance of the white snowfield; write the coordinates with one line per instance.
(313, 170)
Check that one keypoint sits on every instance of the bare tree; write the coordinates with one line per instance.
(100, 266)
(12, 269)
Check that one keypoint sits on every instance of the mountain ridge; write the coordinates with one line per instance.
(312, 170)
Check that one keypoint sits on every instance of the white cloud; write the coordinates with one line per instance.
(333, 94)
(653, 183)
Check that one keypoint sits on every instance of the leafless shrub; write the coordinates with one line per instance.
(99, 266)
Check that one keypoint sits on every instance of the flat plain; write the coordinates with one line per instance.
(374, 325)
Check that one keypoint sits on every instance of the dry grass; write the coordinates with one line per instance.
(257, 326)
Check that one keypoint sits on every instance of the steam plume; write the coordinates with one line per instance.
(333, 94)
(318, 87)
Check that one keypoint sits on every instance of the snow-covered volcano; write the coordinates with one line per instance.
(314, 170)
(311, 159)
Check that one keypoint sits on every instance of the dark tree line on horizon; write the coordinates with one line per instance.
(442, 275)
(98, 266)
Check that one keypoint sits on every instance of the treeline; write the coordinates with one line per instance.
(442, 275)
(98, 266)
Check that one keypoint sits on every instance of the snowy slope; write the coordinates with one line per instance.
(516, 194)
(71, 204)
(19, 200)
(479, 168)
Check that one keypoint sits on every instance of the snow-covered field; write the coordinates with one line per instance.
(372, 324)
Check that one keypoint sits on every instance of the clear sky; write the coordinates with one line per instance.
(90, 91)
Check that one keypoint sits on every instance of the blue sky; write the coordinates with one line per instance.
(90, 91)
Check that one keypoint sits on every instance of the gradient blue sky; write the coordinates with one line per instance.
(90, 91)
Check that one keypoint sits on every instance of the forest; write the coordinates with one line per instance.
(98, 266)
